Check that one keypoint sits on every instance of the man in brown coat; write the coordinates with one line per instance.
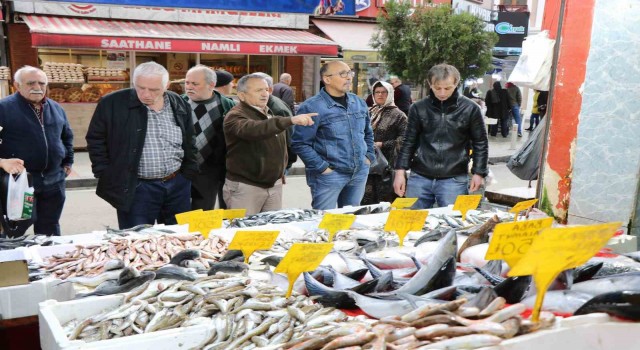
(256, 149)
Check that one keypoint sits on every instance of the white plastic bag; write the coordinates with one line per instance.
(18, 190)
(533, 69)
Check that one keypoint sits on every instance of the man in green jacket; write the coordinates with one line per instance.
(208, 108)
(256, 149)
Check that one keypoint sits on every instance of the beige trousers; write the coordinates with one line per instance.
(255, 199)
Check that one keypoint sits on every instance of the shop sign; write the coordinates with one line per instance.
(178, 64)
(117, 60)
(362, 5)
(461, 6)
(342, 7)
(511, 28)
(179, 45)
(362, 56)
(206, 16)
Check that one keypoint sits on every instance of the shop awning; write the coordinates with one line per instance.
(66, 32)
(351, 36)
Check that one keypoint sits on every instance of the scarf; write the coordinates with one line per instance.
(377, 110)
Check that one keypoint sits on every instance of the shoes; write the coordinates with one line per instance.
(528, 129)
(519, 134)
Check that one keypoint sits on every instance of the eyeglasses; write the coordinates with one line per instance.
(381, 93)
(344, 74)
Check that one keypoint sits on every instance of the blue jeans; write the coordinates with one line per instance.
(515, 109)
(337, 188)
(157, 200)
(534, 121)
(49, 201)
(431, 191)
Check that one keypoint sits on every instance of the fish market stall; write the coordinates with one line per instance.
(164, 287)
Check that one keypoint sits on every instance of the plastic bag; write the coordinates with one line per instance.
(380, 165)
(19, 198)
(533, 69)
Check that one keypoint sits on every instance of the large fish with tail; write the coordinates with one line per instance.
(625, 304)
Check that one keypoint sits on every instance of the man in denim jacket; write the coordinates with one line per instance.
(338, 148)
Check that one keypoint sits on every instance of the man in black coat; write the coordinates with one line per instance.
(142, 149)
(283, 91)
(442, 128)
(401, 94)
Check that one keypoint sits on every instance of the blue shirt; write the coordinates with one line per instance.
(340, 137)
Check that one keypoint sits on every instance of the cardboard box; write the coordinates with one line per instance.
(13, 268)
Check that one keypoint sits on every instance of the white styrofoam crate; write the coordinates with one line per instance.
(22, 301)
(54, 314)
(40, 253)
(588, 332)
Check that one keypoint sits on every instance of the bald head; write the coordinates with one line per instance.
(285, 78)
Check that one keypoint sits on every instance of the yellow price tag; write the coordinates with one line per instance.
(402, 221)
(302, 257)
(204, 221)
(558, 249)
(184, 218)
(234, 213)
(401, 203)
(512, 240)
(464, 203)
(520, 206)
(336, 222)
(250, 241)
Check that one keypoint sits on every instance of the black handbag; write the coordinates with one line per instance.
(380, 165)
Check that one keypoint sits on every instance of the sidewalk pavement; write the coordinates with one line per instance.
(500, 149)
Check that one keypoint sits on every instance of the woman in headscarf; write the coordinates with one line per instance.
(388, 123)
(498, 107)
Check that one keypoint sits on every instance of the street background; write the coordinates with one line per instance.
(85, 212)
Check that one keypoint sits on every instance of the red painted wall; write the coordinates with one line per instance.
(574, 41)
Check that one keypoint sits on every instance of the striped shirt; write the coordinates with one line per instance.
(162, 153)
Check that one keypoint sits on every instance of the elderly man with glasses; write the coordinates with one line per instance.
(337, 149)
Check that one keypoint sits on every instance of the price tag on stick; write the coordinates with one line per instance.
(336, 222)
(302, 257)
(183, 218)
(464, 203)
(558, 249)
(234, 213)
(520, 206)
(401, 203)
(205, 221)
(250, 241)
(512, 240)
(402, 221)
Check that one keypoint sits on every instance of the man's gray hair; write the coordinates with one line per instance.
(149, 69)
(242, 82)
(210, 76)
(266, 77)
(441, 72)
(395, 77)
(17, 76)
(285, 77)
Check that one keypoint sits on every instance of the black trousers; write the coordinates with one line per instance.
(505, 125)
(205, 188)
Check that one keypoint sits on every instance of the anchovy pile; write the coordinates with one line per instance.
(145, 229)
(239, 310)
(277, 217)
(148, 253)
(24, 241)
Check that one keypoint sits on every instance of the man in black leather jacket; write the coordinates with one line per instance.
(442, 129)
